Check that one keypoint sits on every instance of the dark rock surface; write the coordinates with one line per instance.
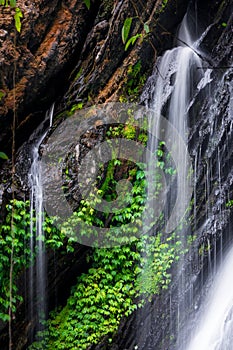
(64, 47)
(35, 62)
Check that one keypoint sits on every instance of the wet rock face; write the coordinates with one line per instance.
(60, 37)
(65, 49)
(34, 61)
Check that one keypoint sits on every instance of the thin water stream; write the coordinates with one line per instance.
(37, 272)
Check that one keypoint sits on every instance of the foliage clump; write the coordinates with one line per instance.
(134, 83)
(18, 13)
(120, 280)
(14, 234)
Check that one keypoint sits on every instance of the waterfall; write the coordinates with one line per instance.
(176, 82)
(172, 91)
(37, 285)
(173, 82)
(179, 80)
(215, 323)
(208, 324)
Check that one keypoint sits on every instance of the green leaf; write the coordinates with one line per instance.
(229, 204)
(4, 317)
(87, 3)
(126, 29)
(18, 15)
(132, 40)
(3, 155)
(146, 28)
(13, 3)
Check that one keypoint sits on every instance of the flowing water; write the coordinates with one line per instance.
(210, 324)
(214, 329)
(175, 75)
(37, 273)
(170, 93)
(180, 80)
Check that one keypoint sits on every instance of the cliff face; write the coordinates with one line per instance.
(69, 54)
(34, 62)
(66, 54)
(65, 49)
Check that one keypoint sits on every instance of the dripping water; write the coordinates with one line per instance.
(37, 273)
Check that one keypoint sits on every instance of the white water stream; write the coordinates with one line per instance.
(215, 324)
(178, 80)
(37, 275)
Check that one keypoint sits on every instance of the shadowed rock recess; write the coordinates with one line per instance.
(68, 54)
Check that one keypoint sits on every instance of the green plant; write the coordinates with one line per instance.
(108, 292)
(86, 218)
(134, 83)
(75, 107)
(156, 262)
(164, 4)
(229, 204)
(18, 13)
(17, 236)
(87, 3)
(3, 156)
(126, 30)
(11, 3)
(2, 94)
(121, 278)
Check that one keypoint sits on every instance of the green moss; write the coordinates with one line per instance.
(75, 108)
(106, 7)
(164, 4)
(134, 83)
(229, 204)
